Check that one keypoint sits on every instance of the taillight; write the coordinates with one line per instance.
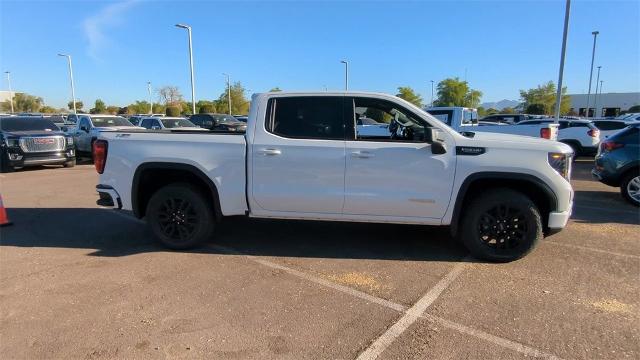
(545, 133)
(100, 148)
(610, 145)
(593, 132)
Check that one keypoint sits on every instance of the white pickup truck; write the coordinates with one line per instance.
(466, 120)
(302, 157)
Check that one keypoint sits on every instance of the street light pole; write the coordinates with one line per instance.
(228, 91)
(346, 74)
(73, 89)
(595, 105)
(193, 90)
(10, 91)
(431, 93)
(565, 32)
(593, 55)
(150, 99)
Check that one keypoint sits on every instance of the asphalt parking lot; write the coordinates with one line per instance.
(79, 281)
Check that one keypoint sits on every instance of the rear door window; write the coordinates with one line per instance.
(319, 117)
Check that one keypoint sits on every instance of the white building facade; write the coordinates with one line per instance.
(602, 105)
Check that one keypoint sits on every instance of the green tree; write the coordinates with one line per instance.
(508, 110)
(113, 110)
(173, 110)
(48, 110)
(407, 93)
(545, 95)
(490, 111)
(23, 102)
(239, 103)
(79, 105)
(536, 109)
(205, 106)
(453, 92)
(99, 107)
(275, 89)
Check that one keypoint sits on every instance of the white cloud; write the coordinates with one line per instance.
(95, 26)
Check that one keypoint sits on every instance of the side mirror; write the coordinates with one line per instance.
(84, 128)
(433, 137)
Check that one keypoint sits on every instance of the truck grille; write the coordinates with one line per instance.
(42, 143)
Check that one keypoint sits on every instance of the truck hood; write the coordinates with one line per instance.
(33, 133)
(117, 128)
(496, 140)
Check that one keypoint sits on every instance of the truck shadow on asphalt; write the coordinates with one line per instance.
(111, 235)
(601, 207)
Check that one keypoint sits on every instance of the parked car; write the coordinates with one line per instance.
(582, 135)
(242, 118)
(628, 116)
(610, 127)
(218, 122)
(618, 162)
(31, 141)
(169, 123)
(506, 118)
(466, 120)
(89, 128)
(301, 158)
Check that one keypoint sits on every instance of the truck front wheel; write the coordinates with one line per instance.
(179, 216)
(501, 225)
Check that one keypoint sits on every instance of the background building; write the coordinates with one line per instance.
(607, 104)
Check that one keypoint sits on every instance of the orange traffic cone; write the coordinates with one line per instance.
(4, 220)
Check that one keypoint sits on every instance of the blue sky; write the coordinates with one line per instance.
(503, 45)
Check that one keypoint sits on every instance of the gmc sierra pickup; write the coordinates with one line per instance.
(303, 157)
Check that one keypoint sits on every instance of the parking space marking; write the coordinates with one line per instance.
(527, 351)
(592, 249)
(410, 316)
(509, 344)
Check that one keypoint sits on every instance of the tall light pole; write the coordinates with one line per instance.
(193, 90)
(346, 74)
(601, 81)
(228, 91)
(593, 55)
(150, 99)
(431, 93)
(565, 33)
(73, 89)
(10, 91)
(595, 101)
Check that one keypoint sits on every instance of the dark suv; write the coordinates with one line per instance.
(618, 162)
(30, 141)
(220, 122)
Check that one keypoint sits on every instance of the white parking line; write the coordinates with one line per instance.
(410, 316)
(528, 351)
(441, 286)
(592, 249)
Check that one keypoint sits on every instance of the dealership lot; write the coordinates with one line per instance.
(79, 281)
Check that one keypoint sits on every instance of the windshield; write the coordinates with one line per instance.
(226, 118)
(27, 124)
(109, 121)
(174, 123)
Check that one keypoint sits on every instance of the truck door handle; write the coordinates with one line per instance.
(361, 154)
(270, 152)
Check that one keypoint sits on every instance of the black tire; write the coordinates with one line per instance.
(630, 182)
(4, 163)
(180, 216)
(501, 225)
(70, 164)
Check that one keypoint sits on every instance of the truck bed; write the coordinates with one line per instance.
(221, 156)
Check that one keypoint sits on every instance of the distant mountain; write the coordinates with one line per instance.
(499, 105)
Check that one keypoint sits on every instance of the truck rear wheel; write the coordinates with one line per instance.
(180, 217)
(502, 225)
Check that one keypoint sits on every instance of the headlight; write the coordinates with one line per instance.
(69, 140)
(561, 163)
(12, 142)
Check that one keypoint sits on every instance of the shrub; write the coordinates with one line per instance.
(173, 111)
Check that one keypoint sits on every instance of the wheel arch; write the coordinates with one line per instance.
(533, 187)
(150, 177)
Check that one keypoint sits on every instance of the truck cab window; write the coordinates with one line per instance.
(306, 117)
(393, 123)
